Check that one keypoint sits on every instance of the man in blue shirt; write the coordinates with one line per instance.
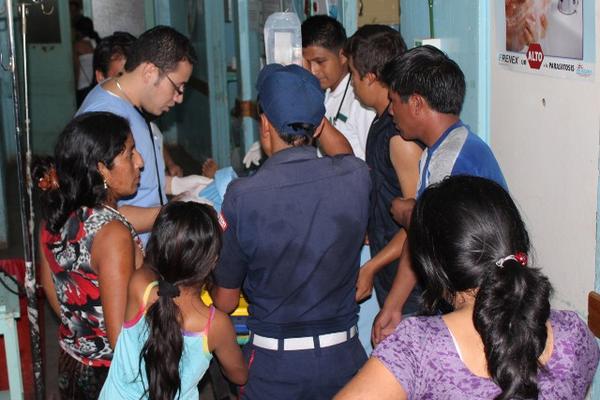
(427, 90)
(158, 67)
(292, 237)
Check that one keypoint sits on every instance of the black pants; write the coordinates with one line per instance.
(77, 380)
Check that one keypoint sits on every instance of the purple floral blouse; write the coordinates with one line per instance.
(422, 356)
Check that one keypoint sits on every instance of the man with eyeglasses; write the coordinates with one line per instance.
(110, 56)
(158, 67)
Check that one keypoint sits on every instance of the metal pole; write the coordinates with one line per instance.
(25, 202)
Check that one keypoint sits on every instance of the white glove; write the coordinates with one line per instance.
(180, 185)
(253, 155)
(193, 196)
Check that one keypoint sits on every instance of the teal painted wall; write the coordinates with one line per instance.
(51, 93)
(52, 86)
(458, 24)
(201, 123)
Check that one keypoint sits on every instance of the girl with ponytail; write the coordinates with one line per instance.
(169, 334)
(502, 341)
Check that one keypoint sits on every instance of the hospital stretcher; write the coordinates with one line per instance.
(239, 317)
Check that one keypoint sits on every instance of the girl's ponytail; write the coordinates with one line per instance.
(467, 234)
(511, 310)
(164, 346)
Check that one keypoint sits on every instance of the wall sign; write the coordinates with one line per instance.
(547, 37)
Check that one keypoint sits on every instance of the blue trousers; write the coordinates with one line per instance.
(316, 374)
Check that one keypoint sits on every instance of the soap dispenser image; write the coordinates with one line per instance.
(568, 7)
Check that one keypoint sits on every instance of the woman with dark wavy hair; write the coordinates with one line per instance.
(502, 341)
(88, 248)
(169, 334)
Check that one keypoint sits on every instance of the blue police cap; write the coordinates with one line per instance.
(290, 95)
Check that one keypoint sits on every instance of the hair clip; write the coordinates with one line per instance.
(49, 181)
(519, 257)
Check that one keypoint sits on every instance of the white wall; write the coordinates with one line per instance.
(549, 155)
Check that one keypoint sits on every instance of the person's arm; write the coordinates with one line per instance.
(391, 313)
(402, 210)
(225, 299)
(112, 257)
(46, 279)
(142, 218)
(405, 157)
(231, 269)
(373, 382)
(331, 141)
(223, 342)
(366, 275)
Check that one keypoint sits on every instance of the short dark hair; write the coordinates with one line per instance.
(162, 46)
(323, 31)
(372, 46)
(117, 45)
(305, 131)
(459, 230)
(88, 139)
(430, 73)
(84, 27)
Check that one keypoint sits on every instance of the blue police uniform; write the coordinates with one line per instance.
(293, 233)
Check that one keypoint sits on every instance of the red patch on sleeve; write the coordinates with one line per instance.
(222, 221)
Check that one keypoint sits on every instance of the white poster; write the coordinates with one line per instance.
(548, 37)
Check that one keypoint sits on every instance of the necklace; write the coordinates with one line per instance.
(122, 91)
(113, 210)
(337, 114)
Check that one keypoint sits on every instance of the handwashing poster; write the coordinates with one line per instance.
(547, 37)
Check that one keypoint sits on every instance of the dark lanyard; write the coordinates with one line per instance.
(160, 194)
(337, 114)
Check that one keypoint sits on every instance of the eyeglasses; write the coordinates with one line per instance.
(178, 89)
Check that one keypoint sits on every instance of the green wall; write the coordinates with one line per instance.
(52, 86)
(462, 27)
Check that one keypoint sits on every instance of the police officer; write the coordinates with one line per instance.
(292, 237)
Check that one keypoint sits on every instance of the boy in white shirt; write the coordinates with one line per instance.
(323, 40)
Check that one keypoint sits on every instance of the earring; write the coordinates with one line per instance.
(105, 184)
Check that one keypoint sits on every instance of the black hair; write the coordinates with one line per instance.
(84, 26)
(459, 229)
(182, 250)
(372, 46)
(302, 136)
(323, 31)
(430, 73)
(87, 140)
(162, 46)
(117, 45)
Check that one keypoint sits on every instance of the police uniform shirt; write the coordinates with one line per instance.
(292, 236)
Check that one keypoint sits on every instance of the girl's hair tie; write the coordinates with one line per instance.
(519, 257)
(167, 289)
